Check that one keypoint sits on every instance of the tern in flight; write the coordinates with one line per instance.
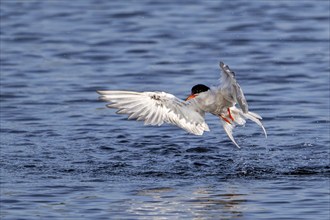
(226, 101)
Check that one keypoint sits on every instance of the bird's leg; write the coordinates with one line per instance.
(227, 119)
(229, 113)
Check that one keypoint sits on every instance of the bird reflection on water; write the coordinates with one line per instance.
(195, 204)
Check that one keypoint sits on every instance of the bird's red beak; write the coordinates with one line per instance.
(191, 97)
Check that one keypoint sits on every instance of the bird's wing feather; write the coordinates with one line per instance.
(156, 108)
(231, 89)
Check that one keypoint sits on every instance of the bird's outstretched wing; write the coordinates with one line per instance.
(156, 108)
(231, 89)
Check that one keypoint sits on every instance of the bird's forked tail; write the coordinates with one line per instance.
(235, 117)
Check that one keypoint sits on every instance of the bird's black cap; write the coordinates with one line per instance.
(199, 88)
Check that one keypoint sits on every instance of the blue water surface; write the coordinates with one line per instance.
(64, 155)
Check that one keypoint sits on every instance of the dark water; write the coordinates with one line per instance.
(65, 156)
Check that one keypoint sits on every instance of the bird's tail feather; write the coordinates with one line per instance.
(238, 117)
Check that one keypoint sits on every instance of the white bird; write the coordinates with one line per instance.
(156, 108)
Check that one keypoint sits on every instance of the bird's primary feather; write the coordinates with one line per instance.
(156, 108)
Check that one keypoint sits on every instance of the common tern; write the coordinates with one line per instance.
(226, 101)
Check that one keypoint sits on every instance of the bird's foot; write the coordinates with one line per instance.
(229, 114)
(230, 118)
